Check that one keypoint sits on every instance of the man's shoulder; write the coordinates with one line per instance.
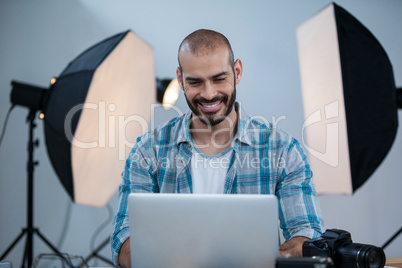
(259, 127)
(167, 132)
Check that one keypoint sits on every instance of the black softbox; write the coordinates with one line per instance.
(349, 99)
(95, 110)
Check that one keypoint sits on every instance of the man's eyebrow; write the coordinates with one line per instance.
(220, 74)
(189, 78)
(192, 79)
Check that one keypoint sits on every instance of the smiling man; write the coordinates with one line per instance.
(210, 78)
(216, 148)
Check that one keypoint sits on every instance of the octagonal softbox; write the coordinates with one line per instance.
(95, 110)
(349, 99)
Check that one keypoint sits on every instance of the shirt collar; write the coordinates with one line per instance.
(184, 132)
(244, 120)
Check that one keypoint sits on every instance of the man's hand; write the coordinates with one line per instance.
(124, 255)
(293, 247)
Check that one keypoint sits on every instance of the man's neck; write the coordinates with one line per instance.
(212, 140)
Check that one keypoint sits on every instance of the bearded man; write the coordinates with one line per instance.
(216, 129)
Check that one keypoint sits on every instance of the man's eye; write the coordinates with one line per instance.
(194, 83)
(219, 80)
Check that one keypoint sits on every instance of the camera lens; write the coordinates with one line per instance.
(360, 255)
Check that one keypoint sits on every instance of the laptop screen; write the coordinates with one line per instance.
(196, 230)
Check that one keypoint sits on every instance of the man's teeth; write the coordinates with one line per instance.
(212, 105)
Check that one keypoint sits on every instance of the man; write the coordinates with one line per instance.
(216, 148)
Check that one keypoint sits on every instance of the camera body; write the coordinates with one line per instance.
(337, 244)
(325, 245)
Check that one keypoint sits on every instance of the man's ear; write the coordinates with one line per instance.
(179, 77)
(238, 70)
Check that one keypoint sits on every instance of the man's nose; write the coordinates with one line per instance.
(209, 91)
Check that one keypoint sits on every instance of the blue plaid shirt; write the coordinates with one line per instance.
(266, 160)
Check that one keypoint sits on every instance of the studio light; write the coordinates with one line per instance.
(110, 81)
(350, 100)
(93, 113)
(167, 92)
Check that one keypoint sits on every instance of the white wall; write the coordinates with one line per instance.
(39, 38)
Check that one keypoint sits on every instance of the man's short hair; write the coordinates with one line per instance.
(208, 39)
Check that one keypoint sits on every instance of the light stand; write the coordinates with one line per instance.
(30, 230)
(95, 254)
(392, 238)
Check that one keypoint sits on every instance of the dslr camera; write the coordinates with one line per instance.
(337, 245)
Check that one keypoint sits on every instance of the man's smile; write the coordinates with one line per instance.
(210, 107)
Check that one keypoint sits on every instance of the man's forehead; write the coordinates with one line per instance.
(205, 62)
(202, 49)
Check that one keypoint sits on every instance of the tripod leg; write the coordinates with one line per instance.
(12, 245)
(95, 253)
(29, 246)
(392, 238)
(30, 230)
(25, 256)
(55, 250)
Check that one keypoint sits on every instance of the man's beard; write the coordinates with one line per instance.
(210, 119)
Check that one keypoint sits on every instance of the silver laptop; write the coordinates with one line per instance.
(189, 230)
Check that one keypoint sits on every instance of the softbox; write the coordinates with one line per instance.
(349, 99)
(95, 110)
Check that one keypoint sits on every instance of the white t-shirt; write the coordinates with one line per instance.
(208, 172)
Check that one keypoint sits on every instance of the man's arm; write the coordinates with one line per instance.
(124, 255)
(300, 212)
(136, 178)
(292, 247)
